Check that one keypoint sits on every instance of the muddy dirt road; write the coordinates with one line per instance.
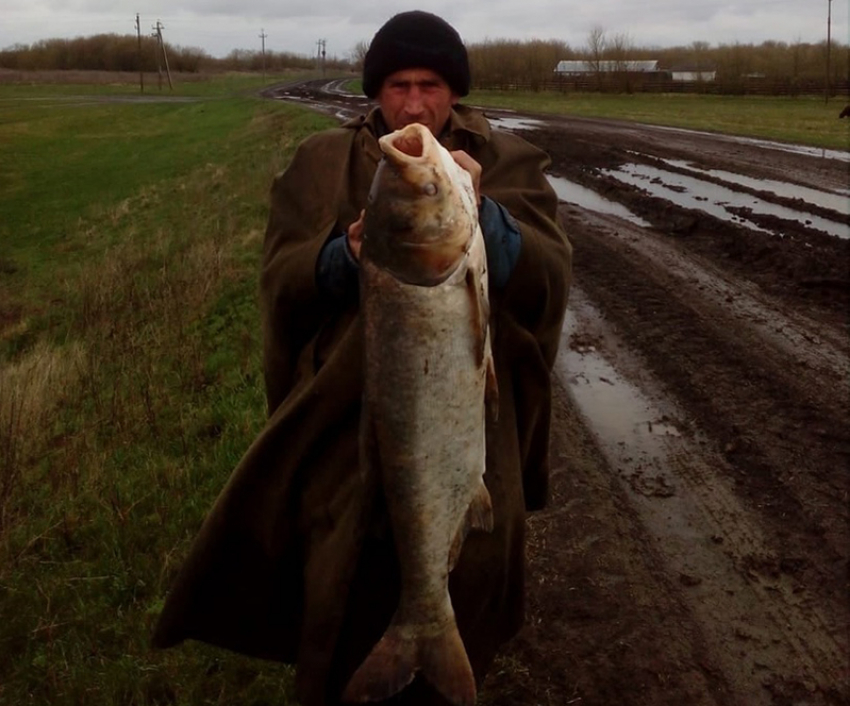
(695, 550)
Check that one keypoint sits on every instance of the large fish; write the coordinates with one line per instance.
(429, 368)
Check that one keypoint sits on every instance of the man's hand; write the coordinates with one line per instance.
(466, 162)
(355, 235)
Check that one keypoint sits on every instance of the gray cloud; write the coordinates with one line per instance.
(221, 25)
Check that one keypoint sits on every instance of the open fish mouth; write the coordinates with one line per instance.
(408, 140)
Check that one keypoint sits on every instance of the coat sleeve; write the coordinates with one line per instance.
(536, 295)
(303, 214)
(532, 305)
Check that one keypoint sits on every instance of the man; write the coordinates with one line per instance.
(295, 561)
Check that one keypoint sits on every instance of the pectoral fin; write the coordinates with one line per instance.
(480, 513)
(480, 312)
(491, 388)
(479, 516)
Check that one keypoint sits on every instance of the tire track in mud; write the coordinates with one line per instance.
(772, 569)
(704, 533)
(604, 624)
(729, 378)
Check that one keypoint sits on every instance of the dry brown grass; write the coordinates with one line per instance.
(156, 281)
(31, 390)
(137, 353)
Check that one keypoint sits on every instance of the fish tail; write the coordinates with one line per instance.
(390, 666)
(445, 665)
(395, 660)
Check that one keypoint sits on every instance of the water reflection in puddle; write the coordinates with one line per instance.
(693, 193)
(838, 202)
(635, 432)
(797, 149)
(502, 123)
(616, 407)
(571, 192)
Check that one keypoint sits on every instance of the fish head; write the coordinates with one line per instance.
(422, 214)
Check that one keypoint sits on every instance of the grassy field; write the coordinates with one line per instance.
(802, 121)
(130, 364)
(129, 380)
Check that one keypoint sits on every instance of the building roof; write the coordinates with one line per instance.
(605, 66)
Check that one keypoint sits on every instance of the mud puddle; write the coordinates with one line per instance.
(718, 201)
(338, 88)
(838, 201)
(572, 193)
(708, 539)
(505, 123)
(787, 332)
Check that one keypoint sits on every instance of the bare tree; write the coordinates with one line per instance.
(699, 52)
(358, 54)
(596, 45)
(620, 51)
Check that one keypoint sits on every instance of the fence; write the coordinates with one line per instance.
(638, 83)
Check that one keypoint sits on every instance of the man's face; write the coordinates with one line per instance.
(416, 96)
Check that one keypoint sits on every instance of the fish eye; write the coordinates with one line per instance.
(430, 189)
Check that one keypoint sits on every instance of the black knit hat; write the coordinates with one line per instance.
(416, 40)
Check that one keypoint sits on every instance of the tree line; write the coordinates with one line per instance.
(113, 52)
(501, 63)
(783, 67)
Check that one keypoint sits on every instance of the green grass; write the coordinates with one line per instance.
(129, 382)
(804, 121)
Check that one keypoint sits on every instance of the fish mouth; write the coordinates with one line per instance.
(410, 145)
(407, 143)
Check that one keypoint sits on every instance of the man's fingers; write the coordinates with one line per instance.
(355, 234)
(464, 161)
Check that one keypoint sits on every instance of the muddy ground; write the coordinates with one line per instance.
(695, 550)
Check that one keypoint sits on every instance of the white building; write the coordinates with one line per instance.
(691, 75)
(581, 67)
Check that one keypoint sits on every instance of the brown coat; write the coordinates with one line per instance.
(294, 561)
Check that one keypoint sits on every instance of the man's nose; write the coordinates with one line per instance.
(413, 102)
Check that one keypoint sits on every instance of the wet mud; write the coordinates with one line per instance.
(718, 417)
(695, 549)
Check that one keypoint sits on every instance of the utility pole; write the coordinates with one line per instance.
(158, 27)
(158, 36)
(828, 44)
(141, 71)
(320, 55)
(263, 36)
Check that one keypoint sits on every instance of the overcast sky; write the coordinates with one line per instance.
(218, 26)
